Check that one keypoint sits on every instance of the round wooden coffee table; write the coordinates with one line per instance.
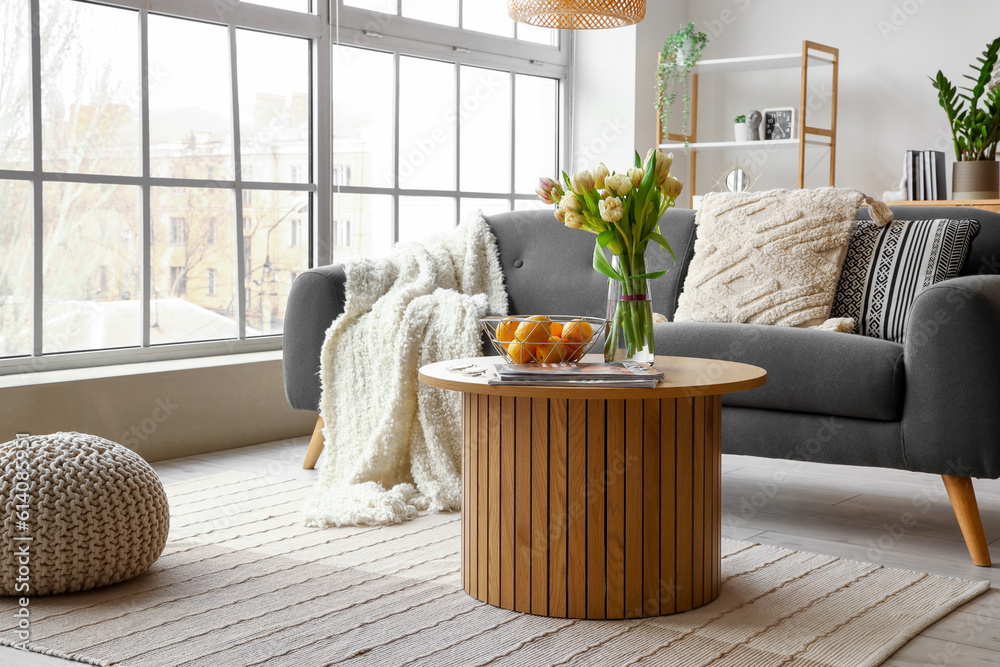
(594, 502)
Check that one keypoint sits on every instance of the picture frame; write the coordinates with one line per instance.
(778, 123)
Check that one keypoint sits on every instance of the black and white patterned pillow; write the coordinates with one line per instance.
(886, 267)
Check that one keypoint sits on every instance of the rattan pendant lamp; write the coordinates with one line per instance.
(577, 14)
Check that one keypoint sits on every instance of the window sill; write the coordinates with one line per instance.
(141, 368)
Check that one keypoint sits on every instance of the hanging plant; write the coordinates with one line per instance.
(681, 52)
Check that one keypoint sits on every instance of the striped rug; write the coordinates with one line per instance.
(242, 582)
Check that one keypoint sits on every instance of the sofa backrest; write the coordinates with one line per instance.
(548, 266)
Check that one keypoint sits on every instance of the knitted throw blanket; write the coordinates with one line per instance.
(393, 445)
(772, 257)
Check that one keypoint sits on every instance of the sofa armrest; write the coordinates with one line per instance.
(314, 302)
(951, 418)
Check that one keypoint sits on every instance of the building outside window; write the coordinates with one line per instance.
(211, 287)
(178, 230)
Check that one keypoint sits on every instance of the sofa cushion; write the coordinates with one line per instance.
(887, 267)
(808, 370)
(770, 257)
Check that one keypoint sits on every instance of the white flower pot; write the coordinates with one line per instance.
(743, 132)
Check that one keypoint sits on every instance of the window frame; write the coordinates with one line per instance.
(329, 23)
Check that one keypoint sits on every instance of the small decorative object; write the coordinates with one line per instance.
(900, 194)
(753, 122)
(577, 14)
(624, 211)
(95, 513)
(974, 116)
(739, 178)
(680, 53)
(779, 123)
(741, 129)
(542, 338)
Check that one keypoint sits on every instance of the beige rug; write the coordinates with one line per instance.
(242, 582)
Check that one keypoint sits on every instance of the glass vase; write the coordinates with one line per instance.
(630, 311)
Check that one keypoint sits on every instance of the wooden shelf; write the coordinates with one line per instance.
(722, 145)
(812, 54)
(985, 204)
(759, 63)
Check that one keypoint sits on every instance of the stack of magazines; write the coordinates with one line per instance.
(568, 374)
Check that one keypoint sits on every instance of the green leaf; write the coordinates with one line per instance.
(638, 160)
(605, 237)
(663, 243)
(603, 266)
(652, 275)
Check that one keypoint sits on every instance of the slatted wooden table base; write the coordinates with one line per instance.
(595, 503)
(592, 508)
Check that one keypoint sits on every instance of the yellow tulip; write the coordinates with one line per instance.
(582, 181)
(611, 209)
(618, 184)
(601, 172)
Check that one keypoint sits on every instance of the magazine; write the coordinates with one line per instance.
(614, 374)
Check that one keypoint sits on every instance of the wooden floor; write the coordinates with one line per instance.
(894, 518)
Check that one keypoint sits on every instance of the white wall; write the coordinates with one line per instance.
(886, 104)
(603, 98)
(614, 84)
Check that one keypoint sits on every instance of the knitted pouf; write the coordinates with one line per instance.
(95, 513)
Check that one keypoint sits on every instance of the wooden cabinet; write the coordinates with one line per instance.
(813, 54)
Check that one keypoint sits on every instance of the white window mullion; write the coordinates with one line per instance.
(241, 289)
(458, 140)
(37, 273)
(395, 148)
(147, 226)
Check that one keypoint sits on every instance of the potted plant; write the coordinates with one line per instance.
(974, 116)
(742, 130)
(680, 53)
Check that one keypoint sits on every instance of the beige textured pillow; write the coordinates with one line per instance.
(771, 257)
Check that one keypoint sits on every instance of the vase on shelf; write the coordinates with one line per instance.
(975, 179)
(630, 311)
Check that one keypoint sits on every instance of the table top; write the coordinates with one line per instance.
(682, 376)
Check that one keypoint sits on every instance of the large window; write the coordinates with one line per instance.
(167, 168)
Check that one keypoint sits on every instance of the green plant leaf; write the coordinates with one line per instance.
(663, 243)
(605, 237)
(603, 266)
(652, 275)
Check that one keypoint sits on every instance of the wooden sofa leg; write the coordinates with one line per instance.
(316, 448)
(963, 501)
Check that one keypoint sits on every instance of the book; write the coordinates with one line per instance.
(911, 192)
(920, 175)
(932, 174)
(940, 175)
(614, 374)
(928, 181)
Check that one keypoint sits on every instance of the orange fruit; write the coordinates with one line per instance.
(505, 332)
(578, 330)
(553, 352)
(533, 330)
(556, 329)
(520, 353)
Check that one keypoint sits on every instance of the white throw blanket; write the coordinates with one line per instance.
(393, 445)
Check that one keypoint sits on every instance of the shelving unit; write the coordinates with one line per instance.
(813, 54)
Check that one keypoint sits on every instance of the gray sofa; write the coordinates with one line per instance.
(929, 405)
